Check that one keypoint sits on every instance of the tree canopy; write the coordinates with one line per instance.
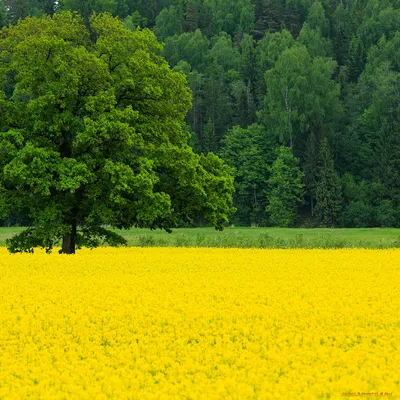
(92, 133)
(294, 72)
(285, 189)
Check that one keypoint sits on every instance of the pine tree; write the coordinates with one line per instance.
(248, 68)
(356, 59)
(216, 98)
(268, 17)
(328, 188)
(343, 29)
(310, 168)
(208, 138)
(191, 16)
(292, 17)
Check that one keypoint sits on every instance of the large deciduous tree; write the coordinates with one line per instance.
(250, 152)
(302, 97)
(92, 133)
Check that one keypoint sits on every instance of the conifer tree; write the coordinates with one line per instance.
(310, 168)
(191, 15)
(356, 59)
(208, 138)
(343, 29)
(328, 188)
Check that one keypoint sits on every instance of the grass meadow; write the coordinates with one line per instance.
(242, 237)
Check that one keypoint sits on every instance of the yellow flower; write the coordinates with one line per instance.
(178, 323)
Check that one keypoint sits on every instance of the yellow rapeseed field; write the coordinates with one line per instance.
(164, 323)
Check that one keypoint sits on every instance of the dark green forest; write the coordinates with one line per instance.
(300, 98)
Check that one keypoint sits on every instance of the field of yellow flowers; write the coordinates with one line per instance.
(166, 323)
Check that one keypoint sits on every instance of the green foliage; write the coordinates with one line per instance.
(38, 8)
(208, 138)
(3, 14)
(94, 236)
(223, 53)
(358, 214)
(367, 204)
(134, 21)
(387, 214)
(317, 20)
(146, 241)
(272, 46)
(286, 189)
(316, 44)
(17, 9)
(301, 97)
(269, 16)
(343, 31)
(231, 17)
(93, 134)
(190, 47)
(328, 188)
(167, 23)
(268, 51)
(250, 152)
(304, 69)
(192, 12)
(379, 126)
(88, 7)
(217, 100)
(310, 168)
(355, 59)
(386, 23)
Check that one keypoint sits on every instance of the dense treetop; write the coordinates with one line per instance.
(92, 132)
(321, 78)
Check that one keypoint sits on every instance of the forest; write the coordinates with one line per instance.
(300, 98)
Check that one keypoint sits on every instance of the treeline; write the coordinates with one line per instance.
(300, 98)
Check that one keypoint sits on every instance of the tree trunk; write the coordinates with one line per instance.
(69, 241)
(312, 205)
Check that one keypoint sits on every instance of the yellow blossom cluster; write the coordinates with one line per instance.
(175, 323)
